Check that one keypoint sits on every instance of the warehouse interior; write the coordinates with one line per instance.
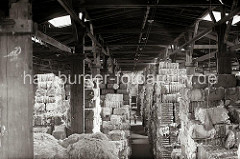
(127, 79)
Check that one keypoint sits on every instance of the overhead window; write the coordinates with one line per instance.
(61, 21)
(217, 16)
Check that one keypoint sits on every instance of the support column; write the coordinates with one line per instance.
(189, 62)
(16, 90)
(77, 97)
(96, 64)
(77, 100)
(224, 65)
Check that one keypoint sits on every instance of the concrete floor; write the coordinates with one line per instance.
(141, 149)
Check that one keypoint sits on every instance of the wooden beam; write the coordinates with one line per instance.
(214, 37)
(205, 46)
(134, 45)
(71, 12)
(137, 31)
(49, 40)
(133, 52)
(16, 95)
(206, 57)
(143, 4)
(208, 30)
(77, 100)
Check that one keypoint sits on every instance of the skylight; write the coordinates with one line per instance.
(61, 21)
(217, 16)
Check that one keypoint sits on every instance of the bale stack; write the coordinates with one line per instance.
(50, 108)
(116, 123)
(208, 128)
(165, 110)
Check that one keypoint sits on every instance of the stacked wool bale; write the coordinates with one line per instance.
(116, 123)
(206, 131)
(148, 99)
(165, 119)
(50, 108)
(76, 146)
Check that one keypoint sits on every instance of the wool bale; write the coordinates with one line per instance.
(116, 119)
(102, 86)
(230, 140)
(126, 97)
(123, 86)
(126, 102)
(102, 97)
(59, 132)
(214, 115)
(127, 133)
(121, 111)
(198, 131)
(234, 114)
(214, 94)
(218, 115)
(106, 111)
(46, 146)
(72, 139)
(99, 136)
(114, 97)
(110, 86)
(122, 91)
(87, 148)
(226, 80)
(106, 91)
(196, 95)
(116, 135)
(213, 152)
(108, 125)
(232, 93)
(38, 108)
(40, 92)
(113, 104)
(120, 145)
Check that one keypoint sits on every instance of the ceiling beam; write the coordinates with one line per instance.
(214, 37)
(205, 46)
(143, 4)
(133, 52)
(74, 16)
(208, 30)
(49, 40)
(133, 45)
(206, 57)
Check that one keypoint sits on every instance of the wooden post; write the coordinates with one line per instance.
(224, 65)
(189, 52)
(77, 97)
(77, 90)
(16, 90)
(97, 64)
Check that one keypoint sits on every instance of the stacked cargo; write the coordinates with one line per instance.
(208, 112)
(164, 114)
(116, 123)
(50, 108)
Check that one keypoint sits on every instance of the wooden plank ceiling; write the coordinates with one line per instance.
(136, 31)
